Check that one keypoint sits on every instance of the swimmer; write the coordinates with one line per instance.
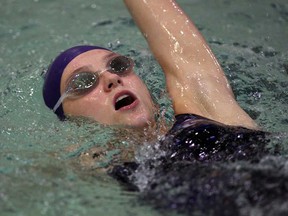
(99, 84)
(210, 127)
(96, 83)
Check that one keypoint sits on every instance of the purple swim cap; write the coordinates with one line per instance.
(51, 88)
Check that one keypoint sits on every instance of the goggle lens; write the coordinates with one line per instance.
(120, 64)
(82, 82)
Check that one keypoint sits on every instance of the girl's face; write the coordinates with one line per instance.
(117, 99)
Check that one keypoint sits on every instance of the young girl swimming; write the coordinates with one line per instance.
(210, 127)
(97, 83)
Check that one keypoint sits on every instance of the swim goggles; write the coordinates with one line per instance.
(84, 82)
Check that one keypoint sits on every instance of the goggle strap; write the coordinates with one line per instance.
(59, 102)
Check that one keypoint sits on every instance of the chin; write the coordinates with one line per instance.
(140, 122)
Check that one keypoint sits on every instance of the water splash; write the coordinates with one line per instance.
(146, 172)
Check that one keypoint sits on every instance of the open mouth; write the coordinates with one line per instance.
(124, 100)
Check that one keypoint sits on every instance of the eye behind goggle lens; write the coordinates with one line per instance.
(82, 83)
(120, 64)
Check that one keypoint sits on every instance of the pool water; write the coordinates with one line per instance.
(43, 170)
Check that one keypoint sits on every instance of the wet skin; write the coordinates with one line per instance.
(100, 103)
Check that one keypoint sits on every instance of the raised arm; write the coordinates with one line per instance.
(194, 78)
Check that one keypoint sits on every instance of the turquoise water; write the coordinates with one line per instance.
(41, 172)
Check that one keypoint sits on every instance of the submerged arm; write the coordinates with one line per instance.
(194, 78)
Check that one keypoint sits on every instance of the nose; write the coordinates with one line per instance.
(110, 81)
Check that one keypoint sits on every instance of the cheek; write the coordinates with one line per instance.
(136, 83)
(93, 104)
(141, 91)
(141, 88)
(96, 103)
